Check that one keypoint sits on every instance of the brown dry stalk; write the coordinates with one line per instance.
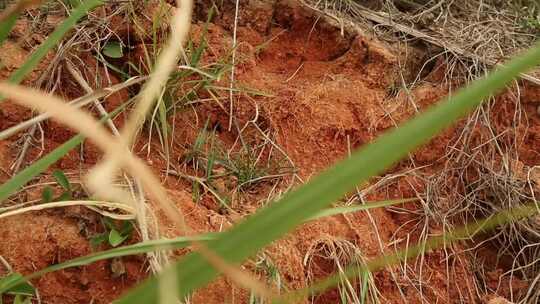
(102, 175)
(129, 212)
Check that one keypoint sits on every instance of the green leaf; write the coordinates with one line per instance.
(6, 26)
(116, 238)
(47, 195)
(26, 175)
(127, 227)
(24, 289)
(268, 224)
(21, 300)
(113, 49)
(108, 223)
(97, 240)
(61, 179)
(66, 196)
(144, 247)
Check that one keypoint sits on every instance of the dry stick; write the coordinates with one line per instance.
(28, 138)
(84, 84)
(130, 212)
(386, 20)
(99, 177)
(89, 127)
(231, 97)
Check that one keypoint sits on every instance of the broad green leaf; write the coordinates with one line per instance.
(108, 223)
(270, 223)
(113, 49)
(115, 238)
(98, 239)
(149, 246)
(61, 179)
(66, 196)
(127, 227)
(22, 300)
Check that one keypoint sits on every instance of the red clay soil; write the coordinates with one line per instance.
(328, 91)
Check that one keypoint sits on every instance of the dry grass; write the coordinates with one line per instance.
(477, 34)
(338, 254)
(481, 175)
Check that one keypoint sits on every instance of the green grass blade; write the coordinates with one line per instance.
(367, 206)
(6, 26)
(18, 181)
(268, 224)
(175, 243)
(26, 175)
(53, 40)
(144, 247)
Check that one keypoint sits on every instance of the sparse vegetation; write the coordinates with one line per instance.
(224, 152)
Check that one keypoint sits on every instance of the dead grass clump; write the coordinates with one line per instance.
(482, 33)
(332, 255)
(483, 175)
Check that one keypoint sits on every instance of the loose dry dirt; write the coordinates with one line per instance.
(328, 91)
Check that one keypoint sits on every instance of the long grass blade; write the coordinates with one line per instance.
(176, 243)
(351, 209)
(6, 26)
(139, 248)
(53, 40)
(26, 175)
(246, 238)
(18, 181)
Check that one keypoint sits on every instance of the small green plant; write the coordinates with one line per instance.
(22, 293)
(47, 195)
(269, 270)
(113, 49)
(246, 169)
(115, 233)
